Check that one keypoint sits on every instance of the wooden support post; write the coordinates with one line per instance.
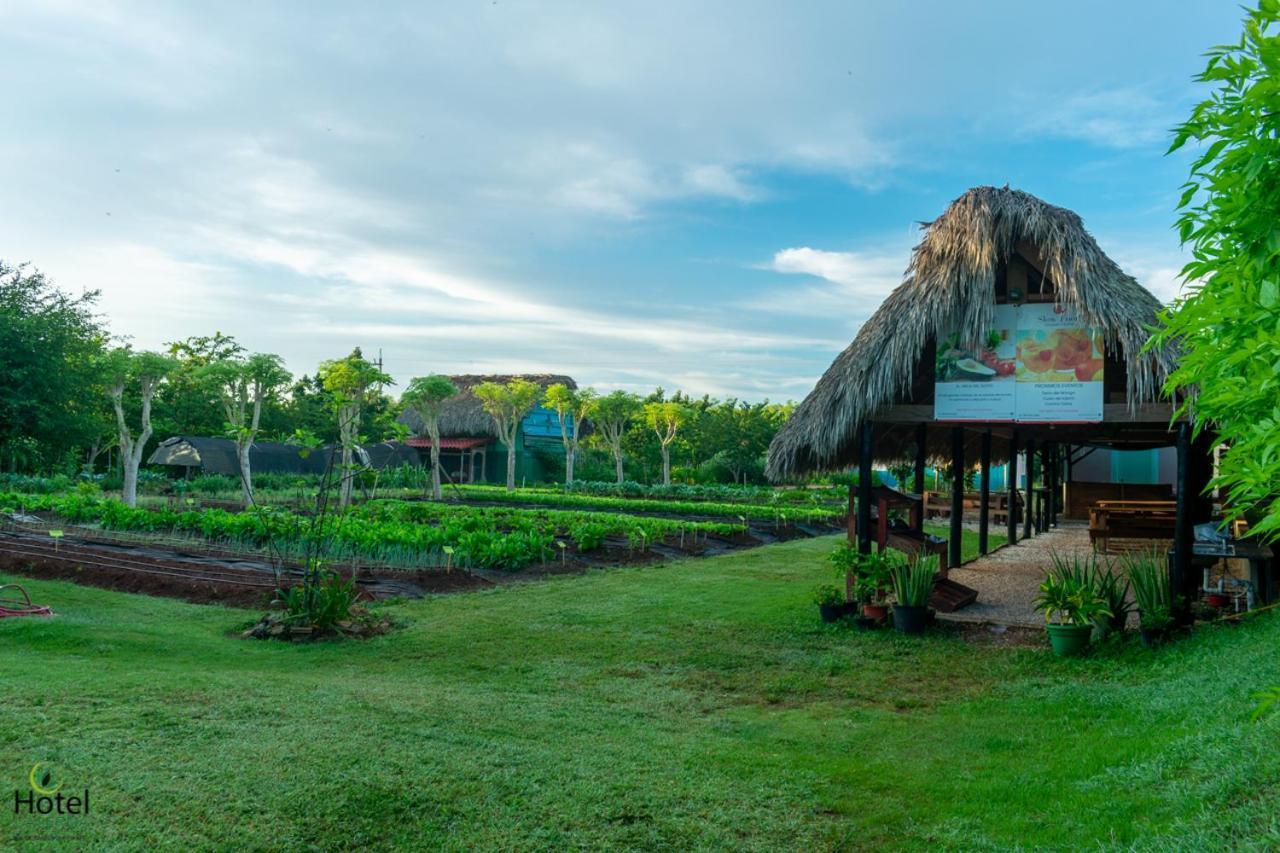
(1180, 575)
(957, 495)
(922, 437)
(852, 521)
(1040, 493)
(866, 449)
(984, 494)
(1051, 510)
(1028, 510)
(1011, 522)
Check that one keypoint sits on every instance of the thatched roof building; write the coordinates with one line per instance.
(464, 416)
(990, 246)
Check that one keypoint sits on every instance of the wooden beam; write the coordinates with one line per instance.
(852, 520)
(1112, 413)
(1011, 522)
(984, 494)
(866, 452)
(922, 438)
(1029, 510)
(957, 495)
(1180, 575)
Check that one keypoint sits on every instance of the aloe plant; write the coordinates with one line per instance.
(1149, 576)
(1068, 595)
(913, 580)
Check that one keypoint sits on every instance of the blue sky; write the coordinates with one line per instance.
(709, 196)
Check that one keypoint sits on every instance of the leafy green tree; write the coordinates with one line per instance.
(51, 399)
(427, 395)
(186, 404)
(665, 419)
(1226, 326)
(241, 385)
(612, 414)
(125, 370)
(570, 406)
(507, 404)
(350, 382)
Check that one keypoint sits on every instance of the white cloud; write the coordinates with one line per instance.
(854, 283)
(1113, 118)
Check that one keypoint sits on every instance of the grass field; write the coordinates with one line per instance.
(697, 704)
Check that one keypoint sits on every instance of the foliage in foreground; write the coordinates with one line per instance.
(701, 705)
(1227, 327)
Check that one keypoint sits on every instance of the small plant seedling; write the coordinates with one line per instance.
(563, 550)
(57, 535)
(448, 558)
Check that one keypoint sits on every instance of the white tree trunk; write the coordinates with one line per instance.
(617, 461)
(348, 426)
(568, 466)
(246, 475)
(666, 465)
(511, 467)
(435, 469)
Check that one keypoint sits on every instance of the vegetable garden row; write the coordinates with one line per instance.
(409, 534)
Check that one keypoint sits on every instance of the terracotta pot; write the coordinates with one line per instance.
(875, 611)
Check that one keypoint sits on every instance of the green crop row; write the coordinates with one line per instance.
(773, 513)
(396, 532)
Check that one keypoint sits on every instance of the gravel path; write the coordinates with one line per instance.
(1008, 579)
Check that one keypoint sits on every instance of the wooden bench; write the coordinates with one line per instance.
(937, 506)
(1110, 520)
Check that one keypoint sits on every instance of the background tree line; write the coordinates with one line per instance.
(74, 400)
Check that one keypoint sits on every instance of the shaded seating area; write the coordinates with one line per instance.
(1112, 522)
(1012, 338)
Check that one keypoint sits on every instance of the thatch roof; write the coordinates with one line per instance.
(464, 416)
(949, 286)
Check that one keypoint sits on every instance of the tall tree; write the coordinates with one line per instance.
(241, 385)
(126, 370)
(665, 419)
(350, 383)
(182, 405)
(50, 399)
(1227, 325)
(612, 414)
(570, 406)
(508, 403)
(426, 396)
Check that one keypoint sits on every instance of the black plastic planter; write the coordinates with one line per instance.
(1152, 637)
(910, 620)
(831, 612)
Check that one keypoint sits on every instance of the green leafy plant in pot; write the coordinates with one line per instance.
(1149, 576)
(912, 584)
(873, 582)
(846, 561)
(830, 601)
(1070, 605)
(1087, 571)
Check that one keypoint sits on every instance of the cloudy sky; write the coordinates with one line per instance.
(709, 196)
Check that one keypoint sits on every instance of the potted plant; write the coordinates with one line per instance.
(830, 602)
(1070, 605)
(1149, 577)
(873, 584)
(845, 559)
(1086, 571)
(912, 584)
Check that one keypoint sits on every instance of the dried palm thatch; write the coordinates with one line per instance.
(949, 286)
(464, 417)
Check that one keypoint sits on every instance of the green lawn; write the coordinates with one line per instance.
(692, 705)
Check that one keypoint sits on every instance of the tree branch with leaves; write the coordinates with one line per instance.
(508, 403)
(571, 406)
(350, 382)
(426, 396)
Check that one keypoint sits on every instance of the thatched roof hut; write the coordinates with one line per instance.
(990, 246)
(464, 416)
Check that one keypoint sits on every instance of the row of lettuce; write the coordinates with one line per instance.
(389, 532)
